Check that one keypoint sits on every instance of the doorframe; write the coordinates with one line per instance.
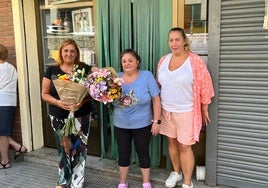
(214, 9)
(178, 13)
(26, 45)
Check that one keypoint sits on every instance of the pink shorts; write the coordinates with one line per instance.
(178, 125)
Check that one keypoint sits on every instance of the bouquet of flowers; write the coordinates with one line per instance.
(104, 85)
(71, 88)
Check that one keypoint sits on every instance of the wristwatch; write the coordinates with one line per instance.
(157, 121)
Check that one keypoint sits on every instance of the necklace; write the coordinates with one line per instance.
(177, 61)
(129, 78)
(67, 69)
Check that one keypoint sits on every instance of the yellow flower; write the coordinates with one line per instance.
(64, 77)
(99, 79)
(116, 96)
(113, 91)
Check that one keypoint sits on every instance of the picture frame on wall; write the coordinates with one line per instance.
(82, 20)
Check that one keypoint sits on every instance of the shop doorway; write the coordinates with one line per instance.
(60, 20)
(192, 15)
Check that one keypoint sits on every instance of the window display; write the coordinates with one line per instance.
(62, 19)
(195, 25)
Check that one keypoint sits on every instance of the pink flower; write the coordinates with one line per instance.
(104, 85)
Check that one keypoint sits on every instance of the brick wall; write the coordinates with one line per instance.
(7, 39)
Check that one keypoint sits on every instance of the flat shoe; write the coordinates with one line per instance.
(5, 166)
(122, 185)
(146, 185)
(20, 151)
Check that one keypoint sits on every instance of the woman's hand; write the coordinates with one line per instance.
(63, 105)
(94, 69)
(155, 129)
(75, 107)
(205, 116)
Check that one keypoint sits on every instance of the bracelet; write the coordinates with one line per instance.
(156, 121)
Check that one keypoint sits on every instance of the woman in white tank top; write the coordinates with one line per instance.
(186, 91)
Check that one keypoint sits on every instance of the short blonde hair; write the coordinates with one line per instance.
(3, 52)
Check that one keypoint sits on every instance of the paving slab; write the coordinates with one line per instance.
(39, 169)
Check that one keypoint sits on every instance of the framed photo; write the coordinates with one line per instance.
(83, 21)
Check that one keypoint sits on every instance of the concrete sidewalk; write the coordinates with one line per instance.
(39, 169)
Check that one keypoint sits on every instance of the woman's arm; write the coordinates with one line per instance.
(156, 114)
(86, 99)
(48, 98)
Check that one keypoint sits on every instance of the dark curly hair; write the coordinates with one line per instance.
(132, 52)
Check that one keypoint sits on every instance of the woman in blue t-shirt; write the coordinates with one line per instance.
(136, 115)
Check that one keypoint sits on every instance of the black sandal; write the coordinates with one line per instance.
(5, 166)
(17, 153)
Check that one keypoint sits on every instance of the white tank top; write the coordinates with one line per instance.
(176, 86)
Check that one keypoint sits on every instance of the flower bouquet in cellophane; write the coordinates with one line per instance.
(70, 88)
(104, 85)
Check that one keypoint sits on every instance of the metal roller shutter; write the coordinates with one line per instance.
(243, 95)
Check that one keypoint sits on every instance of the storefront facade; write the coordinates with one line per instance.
(236, 141)
(15, 37)
(237, 148)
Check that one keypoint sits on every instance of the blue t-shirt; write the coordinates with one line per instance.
(134, 108)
